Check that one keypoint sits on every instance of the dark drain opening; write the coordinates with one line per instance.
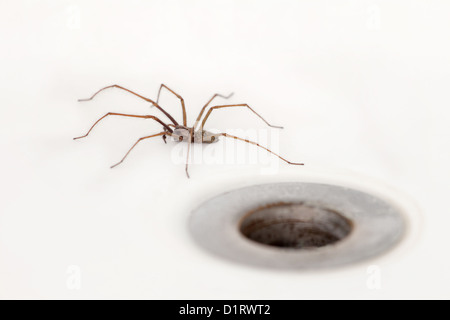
(295, 225)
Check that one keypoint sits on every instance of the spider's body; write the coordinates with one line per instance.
(181, 133)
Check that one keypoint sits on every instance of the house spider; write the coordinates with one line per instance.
(181, 133)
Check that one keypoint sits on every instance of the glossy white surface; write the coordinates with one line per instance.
(361, 89)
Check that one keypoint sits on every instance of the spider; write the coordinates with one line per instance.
(181, 133)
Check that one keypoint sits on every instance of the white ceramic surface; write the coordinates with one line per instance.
(361, 88)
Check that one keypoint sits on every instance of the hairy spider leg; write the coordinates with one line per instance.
(257, 144)
(125, 115)
(178, 96)
(206, 105)
(138, 95)
(235, 105)
(191, 132)
(139, 140)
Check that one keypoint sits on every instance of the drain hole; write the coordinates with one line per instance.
(295, 225)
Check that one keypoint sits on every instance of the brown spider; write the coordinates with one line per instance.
(179, 132)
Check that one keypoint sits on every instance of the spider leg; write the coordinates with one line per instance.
(256, 144)
(139, 140)
(138, 95)
(125, 115)
(206, 105)
(236, 105)
(178, 96)
(191, 131)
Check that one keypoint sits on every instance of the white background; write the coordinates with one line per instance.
(361, 88)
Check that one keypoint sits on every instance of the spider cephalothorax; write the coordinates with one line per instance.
(182, 133)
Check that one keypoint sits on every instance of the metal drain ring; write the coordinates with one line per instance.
(376, 225)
